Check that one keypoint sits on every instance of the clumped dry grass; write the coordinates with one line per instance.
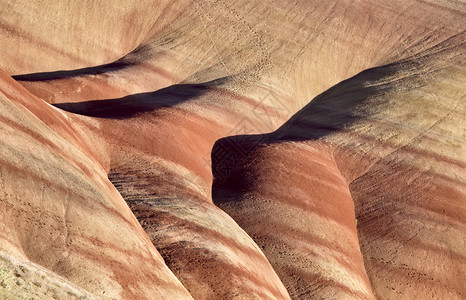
(23, 280)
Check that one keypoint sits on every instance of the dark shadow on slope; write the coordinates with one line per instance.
(352, 100)
(329, 112)
(138, 56)
(129, 106)
(44, 76)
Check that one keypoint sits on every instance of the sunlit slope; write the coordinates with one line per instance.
(268, 149)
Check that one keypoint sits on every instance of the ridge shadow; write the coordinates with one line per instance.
(132, 105)
(332, 111)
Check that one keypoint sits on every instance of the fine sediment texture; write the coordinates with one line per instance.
(233, 149)
(361, 142)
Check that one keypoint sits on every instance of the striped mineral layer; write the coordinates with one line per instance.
(233, 149)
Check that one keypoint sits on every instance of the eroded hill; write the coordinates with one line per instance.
(233, 149)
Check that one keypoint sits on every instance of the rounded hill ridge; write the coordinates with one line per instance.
(219, 149)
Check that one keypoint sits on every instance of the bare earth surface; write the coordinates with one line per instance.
(233, 149)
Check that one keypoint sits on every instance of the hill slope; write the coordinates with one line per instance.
(268, 150)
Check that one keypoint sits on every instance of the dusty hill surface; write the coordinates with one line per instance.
(59, 209)
(380, 150)
(269, 150)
